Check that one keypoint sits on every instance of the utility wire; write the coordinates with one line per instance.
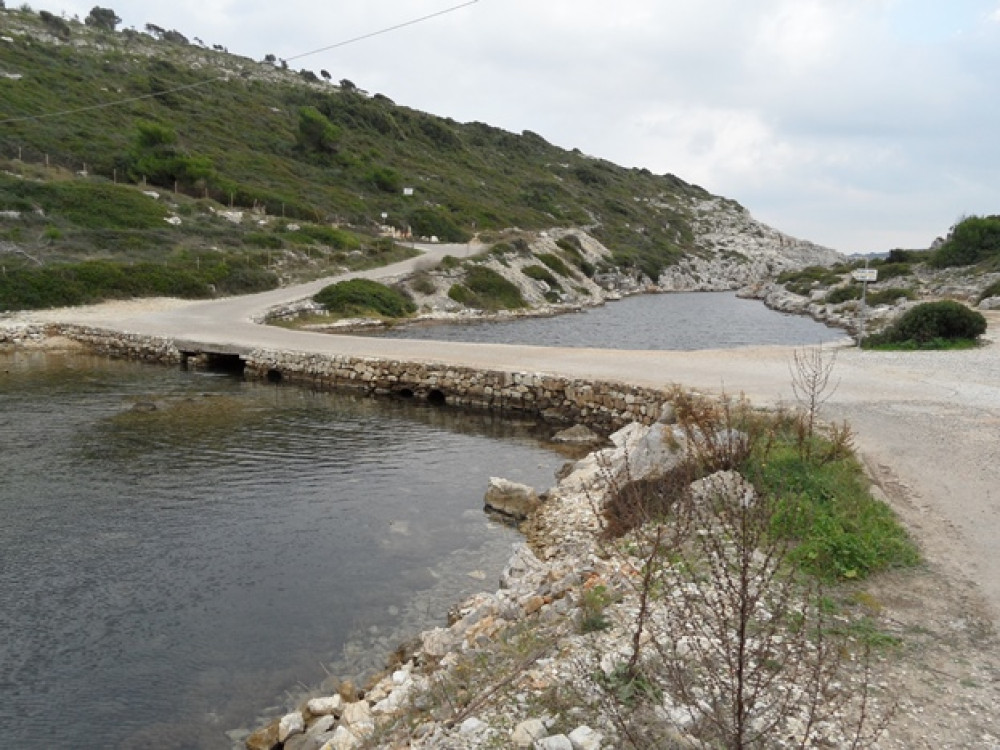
(188, 87)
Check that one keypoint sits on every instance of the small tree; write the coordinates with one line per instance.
(102, 18)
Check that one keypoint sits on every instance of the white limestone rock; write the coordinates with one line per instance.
(585, 738)
(290, 725)
(511, 498)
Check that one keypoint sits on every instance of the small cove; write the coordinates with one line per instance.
(675, 321)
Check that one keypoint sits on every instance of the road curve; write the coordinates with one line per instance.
(927, 423)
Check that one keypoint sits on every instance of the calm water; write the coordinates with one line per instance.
(684, 321)
(167, 574)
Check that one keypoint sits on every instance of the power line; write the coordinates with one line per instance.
(188, 87)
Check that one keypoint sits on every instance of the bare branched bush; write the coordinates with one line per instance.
(811, 371)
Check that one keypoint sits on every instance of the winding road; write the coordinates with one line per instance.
(927, 423)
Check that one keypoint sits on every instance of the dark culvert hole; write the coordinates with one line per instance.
(436, 397)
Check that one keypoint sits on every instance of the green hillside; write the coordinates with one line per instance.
(212, 131)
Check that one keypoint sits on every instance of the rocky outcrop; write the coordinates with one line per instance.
(735, 250)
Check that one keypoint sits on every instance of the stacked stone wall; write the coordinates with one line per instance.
(605, 406)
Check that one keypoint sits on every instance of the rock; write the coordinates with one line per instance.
(343, 739)
(322, 725)
(357, 717)
(289, 725)
(555, 742)
(577, 435)
(510, 498)
(472, 726)
(585, 738)
(333, 705)
(265, 738)
(527, 732)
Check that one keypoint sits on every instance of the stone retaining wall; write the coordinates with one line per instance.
(604, 406)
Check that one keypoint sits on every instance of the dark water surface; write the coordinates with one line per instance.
(166, 574)
(678, 321)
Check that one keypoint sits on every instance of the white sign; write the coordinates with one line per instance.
(407, 191)
(865, 274)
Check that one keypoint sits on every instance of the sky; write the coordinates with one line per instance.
(861, 125)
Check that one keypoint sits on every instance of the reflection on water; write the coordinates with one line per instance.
(178, 549)
(680, 321)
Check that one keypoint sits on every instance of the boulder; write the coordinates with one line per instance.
(290, 725)
(527, 733)
(332, 705)
(577, 435)
(585, 738)
(265, 738)
(510, 498)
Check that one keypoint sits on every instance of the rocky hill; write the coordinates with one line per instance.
(119, 146)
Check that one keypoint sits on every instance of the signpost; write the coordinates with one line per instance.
(864, 275)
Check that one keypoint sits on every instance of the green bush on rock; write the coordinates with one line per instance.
(932, 324)
(362, 297)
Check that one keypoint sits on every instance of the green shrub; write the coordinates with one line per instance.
(363, 296)
(971, 241)
(931, 322)
(436, 222)
(804, 280)
(485, 289)
(462, 294)
(890, 296)
(843, 294)
(887, 270)
(541, 273)
(263, 240)
(555, 263)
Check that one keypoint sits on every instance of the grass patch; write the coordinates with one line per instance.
(541, 273)
(825, 508)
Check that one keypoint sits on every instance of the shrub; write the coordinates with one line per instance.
(540, 273)
(362, 296)
(843, 294)
(924, 324)
(485, 289)
(971, 241)
(555, 263)
(436, 222)
(889, 270)
(492, 290)
(890, 296)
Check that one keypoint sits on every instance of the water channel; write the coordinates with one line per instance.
(180, 550)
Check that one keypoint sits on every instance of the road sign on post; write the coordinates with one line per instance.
(865, 274)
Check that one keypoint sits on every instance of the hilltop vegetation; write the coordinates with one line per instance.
(294, 174)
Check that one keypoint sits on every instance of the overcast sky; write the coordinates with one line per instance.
(862, 125)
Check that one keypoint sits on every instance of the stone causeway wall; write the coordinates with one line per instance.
(601, 405)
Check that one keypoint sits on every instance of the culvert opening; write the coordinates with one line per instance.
(405, 393)
(436, 397)
(273, 376)
(228, 363)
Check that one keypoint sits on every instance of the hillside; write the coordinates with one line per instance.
(209, 160)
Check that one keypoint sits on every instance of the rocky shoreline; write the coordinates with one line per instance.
(521, 666)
